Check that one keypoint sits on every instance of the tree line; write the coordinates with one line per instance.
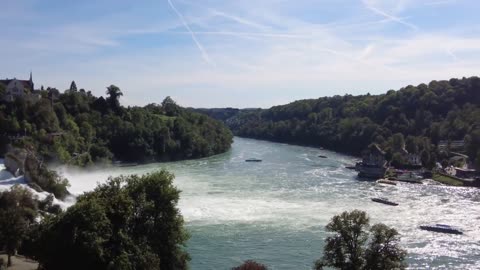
(414, 117)
(75, 127)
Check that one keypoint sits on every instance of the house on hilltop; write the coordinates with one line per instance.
(19, 88)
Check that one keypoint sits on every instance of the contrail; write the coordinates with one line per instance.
(450, 52)
(200, 47)
(251, 34)
(388, 16)
(239, 20)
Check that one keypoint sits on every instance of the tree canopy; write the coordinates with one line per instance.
(128, 223)
(355, 245)
(424, 115)
(18, 211)
(114, 93)
(250, 265)
(73, 86)
(78, 128)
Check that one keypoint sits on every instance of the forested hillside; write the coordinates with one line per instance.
(420, 115)
(76, 127)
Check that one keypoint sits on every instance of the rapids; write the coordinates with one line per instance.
(275, 211)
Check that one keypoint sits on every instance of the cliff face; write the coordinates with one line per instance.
(15, 161)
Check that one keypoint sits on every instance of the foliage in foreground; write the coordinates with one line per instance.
(128, 223)
(18, 211)
(250, 265)
(42, 179)
(357, 246)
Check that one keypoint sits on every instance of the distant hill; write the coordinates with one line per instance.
(421, 116)
(76, 127)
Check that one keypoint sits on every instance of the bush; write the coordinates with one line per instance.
(18, 211)
(250, 265)
(128, 223)
(355, 245)
(39, 176)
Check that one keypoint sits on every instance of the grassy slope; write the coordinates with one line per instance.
(447, 180)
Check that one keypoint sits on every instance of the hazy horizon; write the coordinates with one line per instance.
(241, 54)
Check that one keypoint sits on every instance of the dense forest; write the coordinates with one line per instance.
(417, 117)
(78, 128)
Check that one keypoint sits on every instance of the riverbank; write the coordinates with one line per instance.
(275, 211)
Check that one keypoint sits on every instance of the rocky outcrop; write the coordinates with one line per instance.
(15, 161)
(40, 178)
(22, 162)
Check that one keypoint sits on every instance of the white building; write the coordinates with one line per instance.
(17, 88)
(414, 159)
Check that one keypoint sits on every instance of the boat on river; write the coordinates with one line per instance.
(384, 201)
(253, 160)
(125, 164)
(386, 181)
(441, 228)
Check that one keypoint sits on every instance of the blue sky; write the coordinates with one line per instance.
(242, 53)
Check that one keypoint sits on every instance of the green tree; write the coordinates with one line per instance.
(18, 211)
(354, 245)
(398, 160)
(128, 223)
(47, 180)
(250, 265)
(73, 86)
(383, 251)
(170, 107)
(114, 93)
(477, 161)
(3, 89)
(398, 142)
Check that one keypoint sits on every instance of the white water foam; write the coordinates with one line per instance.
(7, 181)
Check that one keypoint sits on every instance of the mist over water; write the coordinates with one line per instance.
(275, 211)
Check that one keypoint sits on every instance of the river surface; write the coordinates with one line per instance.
(275, 211)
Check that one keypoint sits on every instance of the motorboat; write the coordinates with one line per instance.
(441, 228)
(384, 201)
(322, 156)
(253, 160)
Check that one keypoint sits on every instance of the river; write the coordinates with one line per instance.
(275, 211)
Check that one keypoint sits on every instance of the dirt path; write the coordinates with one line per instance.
(20, 263)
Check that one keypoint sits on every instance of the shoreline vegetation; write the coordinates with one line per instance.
(428, 122)
(447, 180)
(77, 128)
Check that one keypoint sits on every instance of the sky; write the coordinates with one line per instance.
(238, 53)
